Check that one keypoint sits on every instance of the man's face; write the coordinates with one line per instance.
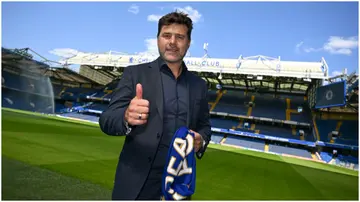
(173, 42)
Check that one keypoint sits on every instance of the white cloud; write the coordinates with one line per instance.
(335, 45)
(134, 9)
(299, 44)
(64, 52)
(154, 18)
(308, 50)
(341, 45)
(151, 47)
(75, 68)
(297, 47)
(67, 53)
(194, 14)
(341, 42)
(336, 73)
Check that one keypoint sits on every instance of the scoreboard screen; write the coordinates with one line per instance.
(331, 95)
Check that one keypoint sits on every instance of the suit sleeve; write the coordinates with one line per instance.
(204, 127)
(112, 120)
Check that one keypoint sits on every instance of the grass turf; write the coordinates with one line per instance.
(50, 158)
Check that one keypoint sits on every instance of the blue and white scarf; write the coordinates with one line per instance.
(178, 181)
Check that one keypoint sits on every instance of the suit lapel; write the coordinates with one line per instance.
(155, 77)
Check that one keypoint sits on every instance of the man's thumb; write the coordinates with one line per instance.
(139, 91)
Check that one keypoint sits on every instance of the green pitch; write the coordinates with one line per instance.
(51, 158)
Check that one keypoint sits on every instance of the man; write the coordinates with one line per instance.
(152, 101)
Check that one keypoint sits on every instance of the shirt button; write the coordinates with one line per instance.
(149, 159)
(158, 135)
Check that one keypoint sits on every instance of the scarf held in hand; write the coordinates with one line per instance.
(178, 181)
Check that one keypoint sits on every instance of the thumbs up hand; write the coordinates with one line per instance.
(138, 111)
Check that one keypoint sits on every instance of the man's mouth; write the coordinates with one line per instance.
(172, 50)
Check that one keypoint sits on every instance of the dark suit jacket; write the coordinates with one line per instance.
(141, 144)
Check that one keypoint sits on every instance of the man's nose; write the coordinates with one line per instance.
(173, 39)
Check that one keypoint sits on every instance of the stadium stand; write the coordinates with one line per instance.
(31, 85)
(327, 157)
(82, 116)
(283, 149)
(216, 138)
(345, 132)
(267, 114)
(252, 143)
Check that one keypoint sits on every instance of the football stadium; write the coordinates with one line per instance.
(281, 130)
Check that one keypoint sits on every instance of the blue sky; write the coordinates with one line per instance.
(295, 31)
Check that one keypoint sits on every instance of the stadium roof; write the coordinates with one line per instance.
(22, 60)
(65, 74)
(255, 65)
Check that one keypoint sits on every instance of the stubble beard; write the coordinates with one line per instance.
(162, 55)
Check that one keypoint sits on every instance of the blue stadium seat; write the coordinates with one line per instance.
(265, 105)
(325, 127)
(57, 89)
(82, 116)
(212, 95)
(11, 80)
(245, 142)
(31, 84)
(223, 123)
(98, 106)
(269, 107)
(216, 138)
(25, 101)
(289, 150)
(233, 102)
(284, 131)
(77, 92)
(348, 159)
(325, 156)
(348, 133)
(296, 103)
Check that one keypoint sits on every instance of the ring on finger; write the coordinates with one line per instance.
(140, 116)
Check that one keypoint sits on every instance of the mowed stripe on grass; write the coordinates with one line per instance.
(83, 152)
(22, 181)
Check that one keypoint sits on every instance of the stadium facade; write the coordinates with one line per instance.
(258, 103)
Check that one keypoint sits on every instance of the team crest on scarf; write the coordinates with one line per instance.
(178, 181)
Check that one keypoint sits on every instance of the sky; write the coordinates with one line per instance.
(294, 31)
